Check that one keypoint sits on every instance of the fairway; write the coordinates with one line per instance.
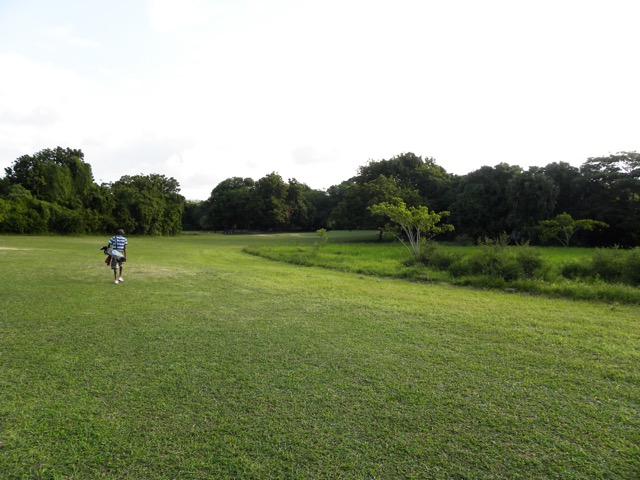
(208, 362)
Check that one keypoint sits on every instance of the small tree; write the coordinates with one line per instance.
(564, 226)
(322, 241)
(418, 224)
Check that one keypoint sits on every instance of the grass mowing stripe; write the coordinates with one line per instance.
(216, 364)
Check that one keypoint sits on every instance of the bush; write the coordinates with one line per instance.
(529, 260)
(608, 264)
(611, 265)
(495, 261)
(575, 270)
(461, 267)
(443, 260)
(632, 267)
(431, 256)
(483, 281)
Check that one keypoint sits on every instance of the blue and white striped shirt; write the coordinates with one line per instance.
(118, 242)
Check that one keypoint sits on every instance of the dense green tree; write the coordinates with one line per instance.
(5, 210)
(297, 206)
(352, 211)
(232, 205)
(570, 187)
(268, 204)
(53, 191)
(57, 176)
(413, 224)
(349, 210)
(435, 186)
(5, 184)
(319, 206)
(148, 205)
(411, 173)
(271, 195)
(23, 213)
(337, 218)
(100, 199)
(532, 197)
(63, 197)
(403, 169)
(481, 206)
(613, 196)
(563, 227)
(193, 215)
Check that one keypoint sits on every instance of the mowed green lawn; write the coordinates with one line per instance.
(208, 362)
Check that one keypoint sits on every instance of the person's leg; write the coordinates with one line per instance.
(120, 279)
(114, 267)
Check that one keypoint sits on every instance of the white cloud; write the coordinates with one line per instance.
(67, 34)
(206, 90)
(170, 16)
(307, 155)
(40, 105)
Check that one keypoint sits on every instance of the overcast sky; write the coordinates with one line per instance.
(204, 90)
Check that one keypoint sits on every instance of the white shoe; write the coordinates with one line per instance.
(116, 282)
(121, 279)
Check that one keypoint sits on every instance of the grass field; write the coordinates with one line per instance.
(363, 254)
(208, 362)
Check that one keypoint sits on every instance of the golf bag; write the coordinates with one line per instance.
(113, 255)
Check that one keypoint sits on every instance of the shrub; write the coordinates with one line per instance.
(529, 260)
(487, 281)
(608, 264)
(443, 260)
(501, 240)
(461, 267)
(322, 241)
(432, 256)
(496, 261)
(632, 267)
(575, 270)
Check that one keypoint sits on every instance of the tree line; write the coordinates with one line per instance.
(54, 191)
(485, 203)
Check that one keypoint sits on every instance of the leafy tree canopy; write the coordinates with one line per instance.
(59, 176)
(613, 195)
(563, 227)
(417, 224)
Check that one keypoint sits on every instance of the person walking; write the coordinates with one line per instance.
(118, 244)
